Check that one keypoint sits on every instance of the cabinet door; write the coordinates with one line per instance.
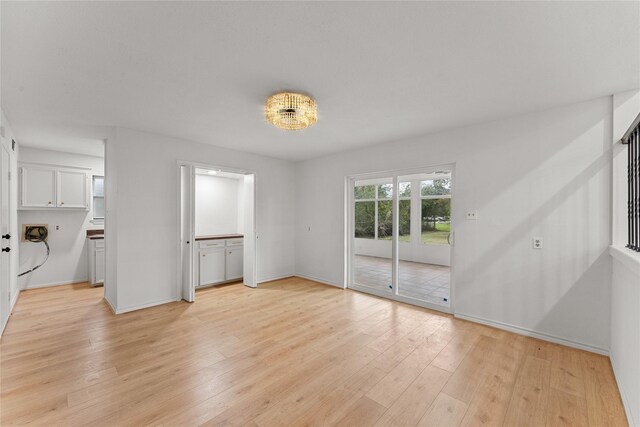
(234, 263)
(72, 189)
(38, 187)
(211, 266)
(99, 263)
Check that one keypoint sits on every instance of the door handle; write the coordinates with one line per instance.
(6, 236)
(7, 249)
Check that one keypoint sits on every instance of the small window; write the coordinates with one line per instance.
(98, 197)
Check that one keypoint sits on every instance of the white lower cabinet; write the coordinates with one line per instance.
(212, 266)
(219, 260)
(99, 274)
(234, 263)
(96, 261)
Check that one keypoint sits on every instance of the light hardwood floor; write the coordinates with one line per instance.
(290, 353)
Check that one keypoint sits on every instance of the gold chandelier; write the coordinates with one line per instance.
(291, 111)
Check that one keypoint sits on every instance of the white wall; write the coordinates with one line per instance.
(217, 203)
(625, 282)
(13, 214)
(67, 262)
(142, 183)
(545, 174)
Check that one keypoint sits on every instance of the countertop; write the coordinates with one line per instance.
(220, 236)
(95, 234)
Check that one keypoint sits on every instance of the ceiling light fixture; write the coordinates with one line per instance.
(291, 111)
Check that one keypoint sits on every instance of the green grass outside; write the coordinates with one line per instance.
(437, 237)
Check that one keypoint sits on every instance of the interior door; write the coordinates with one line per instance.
(250, 248)
(186, 232)
(5, 258)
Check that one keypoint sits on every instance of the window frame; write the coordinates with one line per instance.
(631, 139)
(96, 219)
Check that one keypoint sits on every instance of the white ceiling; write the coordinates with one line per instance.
(379, 71)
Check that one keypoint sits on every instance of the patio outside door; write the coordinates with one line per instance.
(373, 235)
(400, 236)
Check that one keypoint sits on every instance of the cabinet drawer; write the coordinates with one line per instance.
(211, 244)
(235, 242)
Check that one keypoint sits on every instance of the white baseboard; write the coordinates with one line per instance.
(48, 285)
(14, 300)
(625, 397)
(142, 306)
(113, 310)
(271, 279)
(319, 280)
(533, 334)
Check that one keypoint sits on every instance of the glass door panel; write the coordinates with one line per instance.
(424, 250)
(373, 235)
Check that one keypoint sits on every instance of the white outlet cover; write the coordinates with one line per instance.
(536, 242)
(472, 215)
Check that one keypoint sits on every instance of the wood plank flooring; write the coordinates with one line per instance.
(290, 353)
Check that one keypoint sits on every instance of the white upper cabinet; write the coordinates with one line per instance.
(72, 189)
(53, 187)
(38, 187)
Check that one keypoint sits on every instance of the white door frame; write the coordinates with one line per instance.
(191, 209)
(350, 227)
(7, 268)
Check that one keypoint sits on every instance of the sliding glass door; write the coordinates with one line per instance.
(373, 234)
(400, 236)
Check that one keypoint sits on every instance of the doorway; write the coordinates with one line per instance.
(400, 235)
(217, 227)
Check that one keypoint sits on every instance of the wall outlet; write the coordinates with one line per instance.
(537, 242)
(472, 215)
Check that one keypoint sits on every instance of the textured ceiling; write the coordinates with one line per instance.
(379, 71)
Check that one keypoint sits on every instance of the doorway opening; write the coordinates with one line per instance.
(400, 235)
(217, 228)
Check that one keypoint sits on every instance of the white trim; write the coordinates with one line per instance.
(323, 281)
(626, 256)
(625, 398)
(146, 305)
(534, 334)
(49, 285)
(279, 277)
(113, 310)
